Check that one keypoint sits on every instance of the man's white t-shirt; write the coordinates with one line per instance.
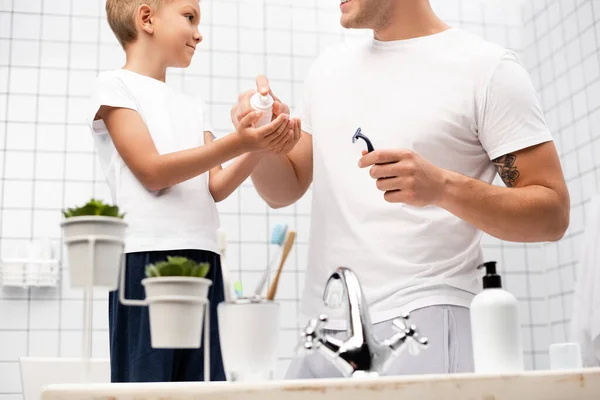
(451, 97)
(183, 216)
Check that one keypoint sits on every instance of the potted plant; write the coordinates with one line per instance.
(176, 292)
(94, 237)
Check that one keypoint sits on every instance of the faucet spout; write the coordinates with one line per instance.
(357, 313)
(361, 351)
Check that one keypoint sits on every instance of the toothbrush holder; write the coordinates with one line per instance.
(249, 336)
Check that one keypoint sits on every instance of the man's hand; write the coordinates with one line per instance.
(290, 143)
(405, 176)
(243, 107)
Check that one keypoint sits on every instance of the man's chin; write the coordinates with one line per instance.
(347, 22)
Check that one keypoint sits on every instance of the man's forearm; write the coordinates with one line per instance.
(276, 181)
(526, 214)
(223, 183)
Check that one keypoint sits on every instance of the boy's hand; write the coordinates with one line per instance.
(243, 107)
(292, 140)
(271, 137)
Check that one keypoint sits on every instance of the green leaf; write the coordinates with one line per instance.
(161, 264)
(170, 270)
(94, 207)
(177, 260)
(202, 270)
(188, 267)
(110, 211)
(177, 266)
(88, 209)
(151, 271)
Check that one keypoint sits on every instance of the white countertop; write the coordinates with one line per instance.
(531, 385)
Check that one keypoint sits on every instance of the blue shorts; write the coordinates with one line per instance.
(132, 358)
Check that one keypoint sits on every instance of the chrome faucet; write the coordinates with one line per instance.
(361, 352)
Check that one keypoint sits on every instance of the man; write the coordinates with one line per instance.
(445, 111)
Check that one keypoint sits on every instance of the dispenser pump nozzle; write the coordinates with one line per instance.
(491, 279)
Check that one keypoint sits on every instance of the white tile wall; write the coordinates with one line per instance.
(50, 51)
(568, 76)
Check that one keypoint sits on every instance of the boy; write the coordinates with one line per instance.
(156, 152)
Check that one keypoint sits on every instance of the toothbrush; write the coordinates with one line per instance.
(287, 246)
(277, 237)
(237, 286)
(359, 135)
(222, 241)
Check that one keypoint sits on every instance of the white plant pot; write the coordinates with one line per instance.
(176, 308)
(94, 250)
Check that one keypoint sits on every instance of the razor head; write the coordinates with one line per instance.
(356, 135)
(359, 135)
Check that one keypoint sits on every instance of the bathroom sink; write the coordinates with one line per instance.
(581, 384)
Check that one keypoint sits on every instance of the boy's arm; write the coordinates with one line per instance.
(155, 171)
(224, 181)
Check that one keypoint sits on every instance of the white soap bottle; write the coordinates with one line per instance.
(495, 327)
(264, 104)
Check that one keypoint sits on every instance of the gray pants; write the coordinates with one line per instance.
(448, 329)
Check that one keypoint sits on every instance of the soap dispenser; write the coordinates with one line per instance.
(263, 103)
(495, 327)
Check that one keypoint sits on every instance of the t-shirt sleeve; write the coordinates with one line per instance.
(206, 119)
(108, 91)
(510, 114)
(302, 110)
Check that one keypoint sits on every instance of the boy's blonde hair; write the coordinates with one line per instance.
(120, 15)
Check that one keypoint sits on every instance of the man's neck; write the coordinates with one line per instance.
(141, 60)
(411, 19)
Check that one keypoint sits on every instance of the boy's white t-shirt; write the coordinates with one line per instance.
(453, 98)
(183, 216)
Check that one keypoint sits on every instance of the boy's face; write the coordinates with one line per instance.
(176, 31)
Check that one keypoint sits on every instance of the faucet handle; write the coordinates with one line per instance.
(312, 331)
(316, 340)
(314, 325)
(408, 331)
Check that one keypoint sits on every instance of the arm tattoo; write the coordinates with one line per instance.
(507, 169)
